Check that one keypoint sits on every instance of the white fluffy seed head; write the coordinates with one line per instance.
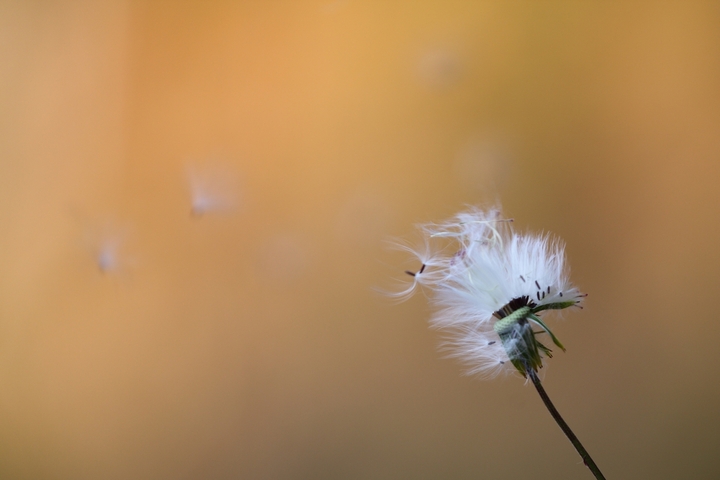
(475, 265)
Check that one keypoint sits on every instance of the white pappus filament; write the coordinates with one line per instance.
(490, 286)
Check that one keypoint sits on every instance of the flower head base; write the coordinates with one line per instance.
(491, 287)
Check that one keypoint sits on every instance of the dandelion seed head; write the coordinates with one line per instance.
(490, 285)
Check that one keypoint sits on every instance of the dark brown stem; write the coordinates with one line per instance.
(564, 426)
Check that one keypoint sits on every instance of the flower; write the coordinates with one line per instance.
(491, 289)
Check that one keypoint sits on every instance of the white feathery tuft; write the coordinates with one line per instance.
(480, 270)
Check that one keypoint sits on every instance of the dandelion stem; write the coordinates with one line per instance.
(564, 426)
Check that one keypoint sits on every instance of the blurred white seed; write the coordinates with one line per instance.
(213, 189)
(439, 68)
(107, 242)
(107, 256)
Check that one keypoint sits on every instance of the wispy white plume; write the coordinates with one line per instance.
(491, 285)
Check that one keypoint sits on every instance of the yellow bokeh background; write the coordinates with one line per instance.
(141, 337)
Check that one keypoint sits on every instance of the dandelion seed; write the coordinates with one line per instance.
(485, 305)
(106, 242)
(211, 190)
(107, 255)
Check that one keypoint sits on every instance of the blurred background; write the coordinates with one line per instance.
(196, 200)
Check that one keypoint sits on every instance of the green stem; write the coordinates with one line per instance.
(564, 426)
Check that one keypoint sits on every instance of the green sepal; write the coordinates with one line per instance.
(554, 306)
(555, 340)
(543, 348)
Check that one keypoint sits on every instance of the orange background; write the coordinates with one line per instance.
(251, 342)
